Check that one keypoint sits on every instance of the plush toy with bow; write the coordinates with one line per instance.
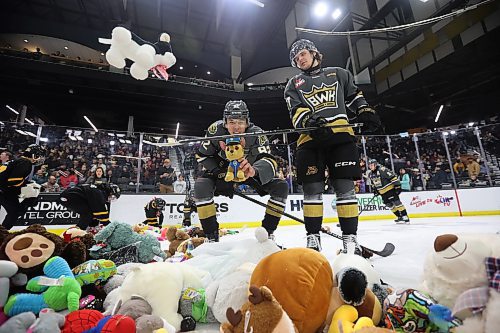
(59, 288)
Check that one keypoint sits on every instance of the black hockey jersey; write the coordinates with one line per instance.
(257, 152)
(15, 175)
(328, 93)
(95, 198)
(383, 179)
(153, 214)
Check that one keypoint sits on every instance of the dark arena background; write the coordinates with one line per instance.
(429, 68)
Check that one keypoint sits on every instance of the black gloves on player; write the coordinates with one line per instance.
(397, 189)
(224, 188)
(374, 190)
(370, 119)
(320, 133)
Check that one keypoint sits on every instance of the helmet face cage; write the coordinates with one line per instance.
(236, 110)
(301, 44)
(35, 152)
(160, 203)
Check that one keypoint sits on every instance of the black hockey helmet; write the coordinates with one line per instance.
(302, 44)
(112, 191)
(372, 161)
(35, 152)
(159, 203)
(236, 109)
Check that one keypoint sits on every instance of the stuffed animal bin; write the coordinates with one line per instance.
(234, 153)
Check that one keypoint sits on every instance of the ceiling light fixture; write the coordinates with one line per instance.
(439, 113)
(336, 14)
(320, 9)
(11, 109)
(257, 3)
(65, 47)
(91, 124)
(181, 68)
(208, 72)
(29, 121)
(26, 40)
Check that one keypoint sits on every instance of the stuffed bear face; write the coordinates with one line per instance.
(234, 152)
(31, 248)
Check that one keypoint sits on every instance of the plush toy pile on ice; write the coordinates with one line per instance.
(157, 57)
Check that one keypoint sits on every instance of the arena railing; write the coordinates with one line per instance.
(463, 157)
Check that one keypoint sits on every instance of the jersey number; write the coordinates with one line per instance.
(264, 150)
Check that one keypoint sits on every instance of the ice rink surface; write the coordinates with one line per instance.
(404, 267)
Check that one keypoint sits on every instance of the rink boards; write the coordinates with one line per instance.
(238, 212)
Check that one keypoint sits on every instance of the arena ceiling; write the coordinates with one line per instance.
(205, 33)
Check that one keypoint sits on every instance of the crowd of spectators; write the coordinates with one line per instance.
(94, 158)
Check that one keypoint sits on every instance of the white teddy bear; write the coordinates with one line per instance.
(457, 265)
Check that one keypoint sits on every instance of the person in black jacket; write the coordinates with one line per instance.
(14, 179)
(154, 212)
(321, 97)
(386, 184)
(91, 202)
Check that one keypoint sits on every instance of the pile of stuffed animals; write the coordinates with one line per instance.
(125, 279)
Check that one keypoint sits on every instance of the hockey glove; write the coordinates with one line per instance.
(375, 192)
(370, 119)
(397, 189)
(224, 188)
(320, 133)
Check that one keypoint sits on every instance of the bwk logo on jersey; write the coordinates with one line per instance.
(322, 97)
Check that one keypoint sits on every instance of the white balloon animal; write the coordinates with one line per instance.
(144, 56)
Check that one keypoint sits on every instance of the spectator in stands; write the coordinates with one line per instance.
(99, 164)
(167, 177)
(404, 179)
(180, 185)
(40, 177)
(417, 182)
(5, 157)
(51, 185)
(67, 178)
(82, 173)
(440, 176)
(97, 177)
(458, 167)
(112, 176)
(473, 169)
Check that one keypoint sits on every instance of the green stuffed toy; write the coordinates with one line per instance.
(117, 235)
(94, 272)
(59, 288)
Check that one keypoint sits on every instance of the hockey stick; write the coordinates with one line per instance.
(385, 252)
(258, 133)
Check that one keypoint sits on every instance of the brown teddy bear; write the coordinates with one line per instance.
(261, 314)
(179, 240)
(30, 248)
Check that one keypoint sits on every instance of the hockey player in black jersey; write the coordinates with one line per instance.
(14, 179)
(386, 184)
(91, 202)
(258, 165)
(317, 97)
(189, 208)
(154, 212)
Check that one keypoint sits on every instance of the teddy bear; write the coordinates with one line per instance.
(234, 153)
(59, 290)
(161, 284)
(30, 248)
(452, 255)
(75, 234)
(180, 240)
(117, 235)
(262, 313)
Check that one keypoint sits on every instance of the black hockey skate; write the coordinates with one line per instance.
(314, 242)
(402, 220)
